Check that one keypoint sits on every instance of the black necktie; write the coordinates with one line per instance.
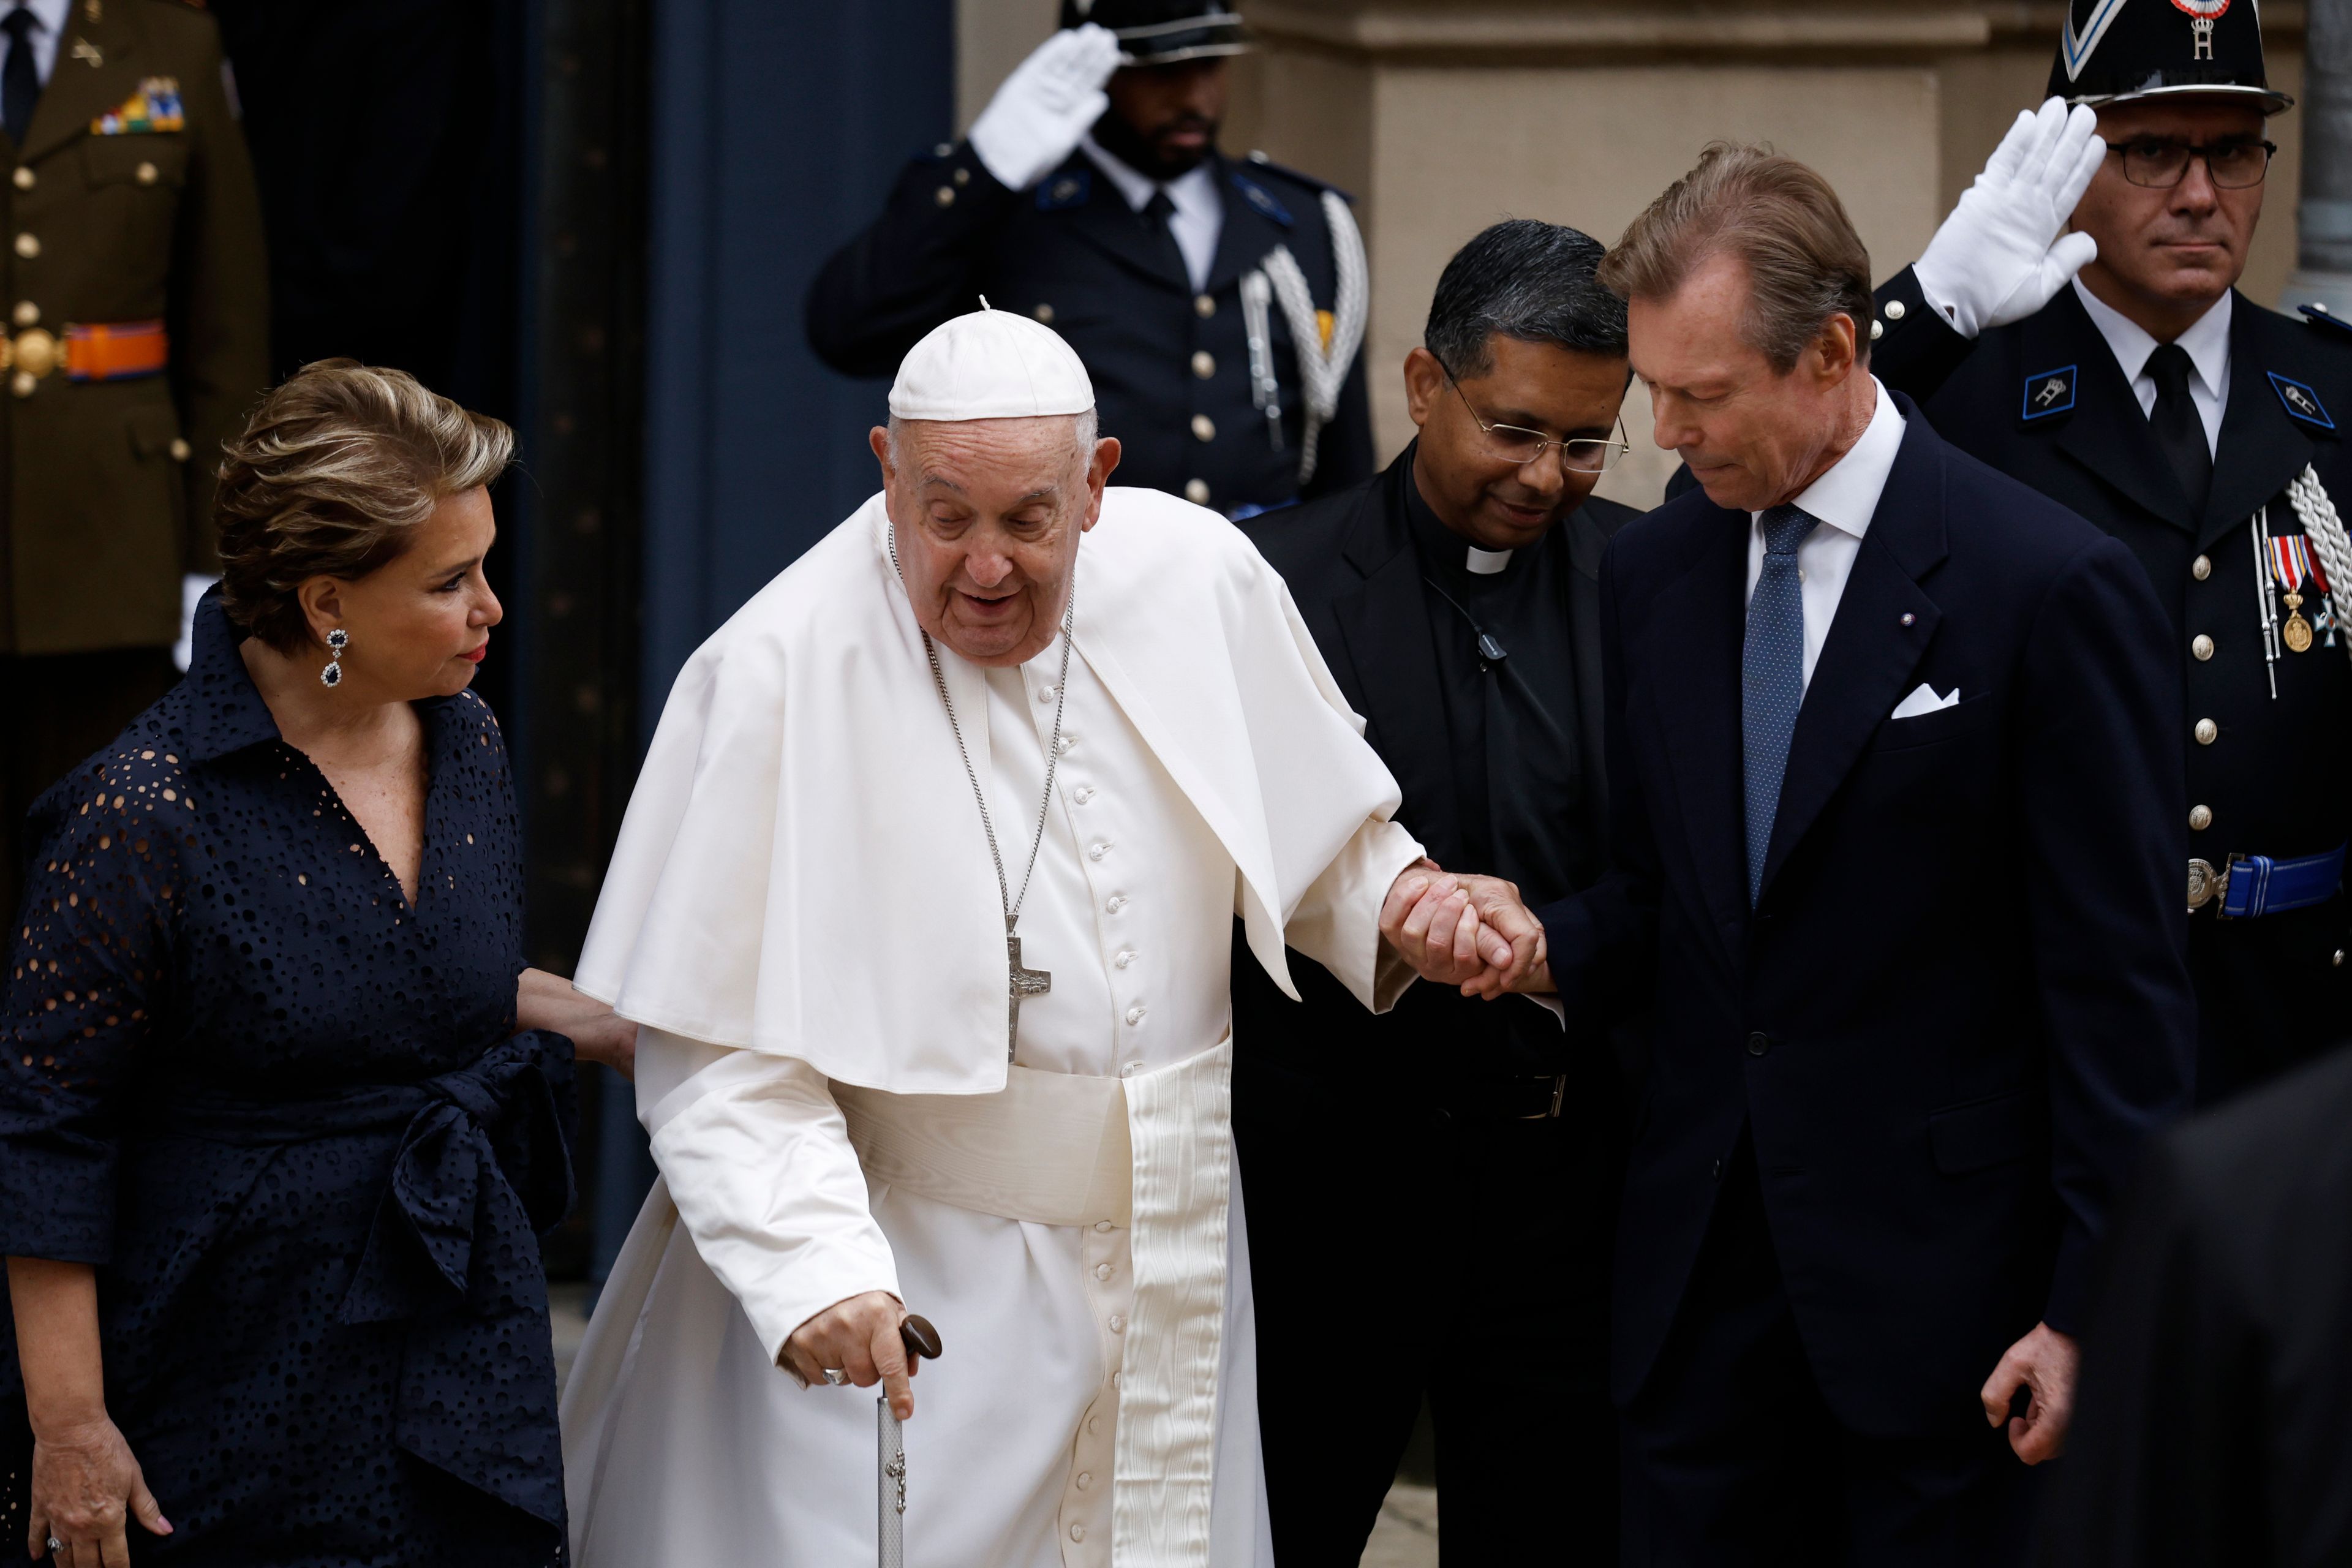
(2178, 429)
(20, 84)
(1157, 212)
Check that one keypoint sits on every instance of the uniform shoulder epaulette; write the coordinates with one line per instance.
(1259, 165)
(2328, 325)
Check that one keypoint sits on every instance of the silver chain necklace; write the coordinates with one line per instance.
(1020, 983)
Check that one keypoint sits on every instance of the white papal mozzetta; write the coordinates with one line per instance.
(804, 914)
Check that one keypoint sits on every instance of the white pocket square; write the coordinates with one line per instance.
(1925, 700)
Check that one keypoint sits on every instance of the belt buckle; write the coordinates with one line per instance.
(2210, 884)
(1559, 1096)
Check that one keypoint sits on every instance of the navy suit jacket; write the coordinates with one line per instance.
(1960, 1002)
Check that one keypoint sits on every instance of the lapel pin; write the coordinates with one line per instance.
(1910, 619)
(84, 50)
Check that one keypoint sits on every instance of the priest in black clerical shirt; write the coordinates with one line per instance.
(1408, 1174)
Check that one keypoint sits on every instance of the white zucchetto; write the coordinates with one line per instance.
(991, 365)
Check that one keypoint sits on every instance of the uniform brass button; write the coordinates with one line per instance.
(1203, 307)
(2208, 731)
(1759, 1043)
(1045, 313)
(944, 195)
(27, 313)
(23, 384)
(2338, 961)
(2200, 818)
(1205, 363)
(963, 176)
(942, 149)
(1197, 491)
(2201, 568)
(1204, 428)
(22, 178)
(1877, 330)
(145, 174)
(179, 450)
(2201, 646)
(27, 246)
(1895, 309)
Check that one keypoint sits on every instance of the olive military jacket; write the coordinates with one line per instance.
(119, 210)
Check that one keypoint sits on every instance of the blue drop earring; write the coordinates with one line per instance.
(337, 640)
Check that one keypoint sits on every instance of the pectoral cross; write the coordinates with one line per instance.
(1023, 982)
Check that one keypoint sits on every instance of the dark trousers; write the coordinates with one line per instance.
(1733, 1460)
(1398, 1252)
(54, 710)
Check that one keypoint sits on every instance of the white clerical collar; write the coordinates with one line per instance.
(1486, 562)
(2207, 343)
(1847, 495)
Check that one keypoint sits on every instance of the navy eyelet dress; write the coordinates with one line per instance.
(285, 1113)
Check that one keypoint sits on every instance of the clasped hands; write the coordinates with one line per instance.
(1472, 932)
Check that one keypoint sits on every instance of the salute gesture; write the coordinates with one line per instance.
(2006, 250)
(1049, 102)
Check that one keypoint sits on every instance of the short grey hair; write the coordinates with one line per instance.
(1085, 428)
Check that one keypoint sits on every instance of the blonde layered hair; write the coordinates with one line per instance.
(330, 478)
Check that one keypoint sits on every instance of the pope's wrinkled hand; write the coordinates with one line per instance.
(858, 1338)
(1465, 930)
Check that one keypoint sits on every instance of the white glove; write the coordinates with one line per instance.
(2004, 253)
(1051, 100)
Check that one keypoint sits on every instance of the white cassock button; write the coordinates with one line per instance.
(2208, 731)
(1068, 742)
(1102, 1227)
(1895, 309)
(1084, 793)
(1044, 694)
(1134, 1015)
(1085, 1479)
(1097, 851)
(1118, 902)
(1125, 958)
(1117, 1324)
(1077, 1532)
(2201, 568)
(1102, 1270)
(1094, 1424)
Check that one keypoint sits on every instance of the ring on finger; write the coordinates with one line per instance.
(834, 1376)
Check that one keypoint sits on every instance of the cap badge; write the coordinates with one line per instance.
(2049, 392)
(2301, 402)
(2202, 15)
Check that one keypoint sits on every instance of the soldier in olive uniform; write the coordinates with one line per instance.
(2076, 324)
(1218, 305)
(136, 337)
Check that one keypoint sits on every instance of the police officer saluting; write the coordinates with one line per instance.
(133, 334)
(1219, 306)
(2075, 323)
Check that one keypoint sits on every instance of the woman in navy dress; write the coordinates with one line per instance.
(277, 1137)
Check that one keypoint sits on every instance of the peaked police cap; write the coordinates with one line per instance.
(1161, 32)
(2116, 51)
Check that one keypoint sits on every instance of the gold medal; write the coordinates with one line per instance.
(2296, 633)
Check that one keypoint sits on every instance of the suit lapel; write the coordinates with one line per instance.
(2106, 432)
(1385, 626)
(1693, 644)
(1868, 659)
(77, 92)
(2262, 447)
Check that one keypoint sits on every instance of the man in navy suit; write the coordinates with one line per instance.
(1893, 787)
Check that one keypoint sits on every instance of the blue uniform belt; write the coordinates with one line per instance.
(2252, 885)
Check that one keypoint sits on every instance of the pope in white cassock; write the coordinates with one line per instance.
(863, 1098)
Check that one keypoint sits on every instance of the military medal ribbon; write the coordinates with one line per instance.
(2292, 564)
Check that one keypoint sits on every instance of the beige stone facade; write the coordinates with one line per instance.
(1441, 116)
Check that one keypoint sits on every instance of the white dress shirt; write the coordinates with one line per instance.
(1198, 220)
(2207, 343)
(1843, 499)
(52, 16)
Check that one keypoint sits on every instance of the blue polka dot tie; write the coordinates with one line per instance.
(1771, 679)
